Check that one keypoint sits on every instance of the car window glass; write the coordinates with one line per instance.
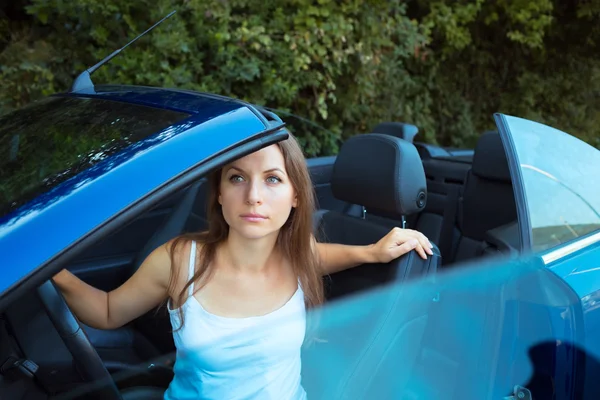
(561, 182)
(52, 140)
(477, 330)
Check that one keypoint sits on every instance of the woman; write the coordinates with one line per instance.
(237, 293)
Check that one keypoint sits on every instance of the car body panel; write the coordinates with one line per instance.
(126, 177)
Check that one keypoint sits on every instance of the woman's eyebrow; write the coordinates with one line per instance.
(275, 169)
(236, 168)
(265, 171)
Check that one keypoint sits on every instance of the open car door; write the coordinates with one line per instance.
(557, 191)
(495, 329)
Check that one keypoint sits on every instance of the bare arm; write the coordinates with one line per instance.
(144, 290)
(338, 257)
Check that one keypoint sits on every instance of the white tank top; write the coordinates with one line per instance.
(237, 358)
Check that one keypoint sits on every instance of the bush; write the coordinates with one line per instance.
(339, 64)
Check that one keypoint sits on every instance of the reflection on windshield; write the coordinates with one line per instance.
(56, 138)
(560, 216)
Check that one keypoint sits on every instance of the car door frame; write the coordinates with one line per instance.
(560, 259)
(523, 217)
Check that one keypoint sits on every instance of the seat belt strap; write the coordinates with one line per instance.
(448, 223)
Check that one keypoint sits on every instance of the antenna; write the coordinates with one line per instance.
(84, 80)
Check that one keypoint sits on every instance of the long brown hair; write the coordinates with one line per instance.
(295, 238)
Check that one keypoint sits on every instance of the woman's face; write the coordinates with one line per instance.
(256, 194)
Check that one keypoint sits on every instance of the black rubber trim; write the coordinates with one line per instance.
(516, 176)
(178, 182)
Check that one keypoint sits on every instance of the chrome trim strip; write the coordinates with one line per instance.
(564, 251)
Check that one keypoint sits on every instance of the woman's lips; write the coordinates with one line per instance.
(253, 217)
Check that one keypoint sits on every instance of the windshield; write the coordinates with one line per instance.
(560, 180)
(52, 140)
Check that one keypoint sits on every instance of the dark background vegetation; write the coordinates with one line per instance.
(445, 66)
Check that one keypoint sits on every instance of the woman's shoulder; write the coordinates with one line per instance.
(179, 248)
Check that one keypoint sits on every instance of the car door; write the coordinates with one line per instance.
(496, 337)
(557, 188)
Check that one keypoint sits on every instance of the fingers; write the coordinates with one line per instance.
(421, 251)
(405, 248)
(417, 241)
(425, 244)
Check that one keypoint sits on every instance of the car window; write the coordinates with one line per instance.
(52, 140)
(561, 183)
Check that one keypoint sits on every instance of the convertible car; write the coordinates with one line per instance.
(94, 179)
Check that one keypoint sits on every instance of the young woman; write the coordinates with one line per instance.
(237, 293)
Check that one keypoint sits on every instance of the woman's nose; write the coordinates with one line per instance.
(254, 195)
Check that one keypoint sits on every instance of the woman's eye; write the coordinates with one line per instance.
(273, 179)
(235, 178)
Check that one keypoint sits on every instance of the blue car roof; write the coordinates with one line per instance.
(171, 99)
(34, 233)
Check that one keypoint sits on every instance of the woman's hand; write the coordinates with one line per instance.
(338, 257)
(399, 242)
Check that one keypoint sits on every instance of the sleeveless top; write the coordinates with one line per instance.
(237, 358)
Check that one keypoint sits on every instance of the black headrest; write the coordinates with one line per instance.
(380, 172)
(489, 160)
(398, 129)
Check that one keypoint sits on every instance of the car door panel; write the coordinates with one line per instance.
(581, 270)
(506, 334)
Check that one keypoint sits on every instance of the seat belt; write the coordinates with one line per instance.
(449, 218)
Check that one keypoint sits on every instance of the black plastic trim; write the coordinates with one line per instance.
(516, 176)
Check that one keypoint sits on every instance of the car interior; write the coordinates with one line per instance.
(463, 203)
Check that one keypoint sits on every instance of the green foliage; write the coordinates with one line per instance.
(444, 65)
(531, 58)
(339, 64)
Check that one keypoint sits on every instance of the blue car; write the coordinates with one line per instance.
(506, 308)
